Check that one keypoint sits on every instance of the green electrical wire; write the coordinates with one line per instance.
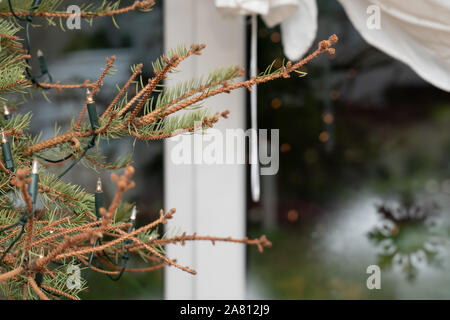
(89, 146)
(28, 19)
(32, 190)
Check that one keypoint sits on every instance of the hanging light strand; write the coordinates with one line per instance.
(93, 118)
(125, 251)
(32, 190)
(43, 65)
(98, 196)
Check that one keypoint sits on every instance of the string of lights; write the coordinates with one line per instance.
(9, 163)
(32, 190)
(93, 118)
(44, 71)
(125, 251)
(42, 63)
(98, 196)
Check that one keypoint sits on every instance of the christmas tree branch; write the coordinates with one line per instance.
(136, 72)
(8, 36)
(36, 289)
(96, 87)
(161, 68)
(137, 5)
(11, 274)
(324, 46)
(57, 85)
(62, 242)
(63, 86)
(20, 78)
(157, 114)
(260, 243)
(132, 270)
(59, 292)
(158, 135)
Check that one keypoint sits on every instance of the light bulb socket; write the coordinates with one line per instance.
(93, 116)
(33, 187)
(7, 154)
(6, 112)
(39, 278)
(133, 219)
(42, 62)
(98, 197)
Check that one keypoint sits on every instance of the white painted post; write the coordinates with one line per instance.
(210, 199)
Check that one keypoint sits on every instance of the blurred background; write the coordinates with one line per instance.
(364, 173)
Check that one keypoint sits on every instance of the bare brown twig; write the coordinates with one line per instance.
(137, 5)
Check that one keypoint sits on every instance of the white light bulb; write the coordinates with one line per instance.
(35, 168)
(133, 213)
(99, 185)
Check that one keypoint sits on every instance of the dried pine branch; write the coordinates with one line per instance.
(67, 238)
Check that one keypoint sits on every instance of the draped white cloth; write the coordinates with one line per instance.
(298, 19)
(414, 32)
